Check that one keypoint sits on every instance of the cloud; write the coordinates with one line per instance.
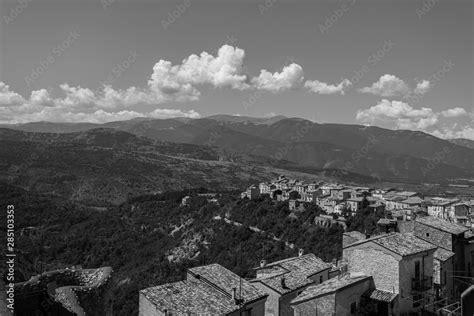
(9, 98)
(422, 87)
(290, 77)
(179, 81)
(392, 86)
(454, 112)
(324, 88)
(402, 115)
(80, 104)
(168, 82)
(455, 132)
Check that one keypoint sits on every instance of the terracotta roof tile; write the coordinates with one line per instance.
(295, 271)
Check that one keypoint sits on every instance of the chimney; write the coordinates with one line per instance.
(263, 263)
(283, 283)
(300, 252)
(234, 294)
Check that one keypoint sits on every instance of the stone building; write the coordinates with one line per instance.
(451, 237)
(401, 266)
(338, 296)
(443, 266)
(283, 280)
(209, 290)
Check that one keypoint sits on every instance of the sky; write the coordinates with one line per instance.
(396, 64)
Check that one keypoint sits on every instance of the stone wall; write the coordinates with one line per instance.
(434, 236)
(371, 261)
(350, 295)
(323, 306)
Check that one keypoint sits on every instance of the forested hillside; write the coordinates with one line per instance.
(150, 240)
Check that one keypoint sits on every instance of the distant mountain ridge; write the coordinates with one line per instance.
(463, 142)
(395, 155)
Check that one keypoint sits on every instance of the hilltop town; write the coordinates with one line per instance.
(420, 259)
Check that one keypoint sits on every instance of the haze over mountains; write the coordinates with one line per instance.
(149, 155)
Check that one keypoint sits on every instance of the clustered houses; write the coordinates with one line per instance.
(207, 290)
(337, 198)
(420, 268)
(421, 261)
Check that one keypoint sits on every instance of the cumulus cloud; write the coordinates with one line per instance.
(455, 132)
(80, 104)
(454, 112)
(324, 88)
(168, 82)
(290, 77)
(9, 98)
(402, 115)
(422, 87)
(392, 86)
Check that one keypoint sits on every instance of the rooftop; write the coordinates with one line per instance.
(189, 297)
(208, 290)
(406, 193)
(381, 296)
(330, 286)
(295, 271)
(442, 225)
(226, 280)
(413, 200)
(442, 254)
(442, 201)
(405, 244)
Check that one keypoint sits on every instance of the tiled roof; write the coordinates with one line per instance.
(442, 202)
(442, 254)
(226, 280)
(296, 272)
(208, 292)
(189, 296)
(330, 286)
(386, 221)
(413, 200)
(403, 244)
(406, 193)
(381, 296)
(442, 225)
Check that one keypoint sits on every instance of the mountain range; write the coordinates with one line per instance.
(221, 150)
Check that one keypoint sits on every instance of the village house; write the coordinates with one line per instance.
(443, 283)
(459, 213)
(394, 202)
(252, 192)
(451, 237)
(439, 207)
(412, 202)
(283, 280)
(207, 290)
(356, 204)
(342, 295)
(265, 188)
(402, 269)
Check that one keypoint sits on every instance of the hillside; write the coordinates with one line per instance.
(388, 155)
(105, 166)
(151, 240)
(463, 142)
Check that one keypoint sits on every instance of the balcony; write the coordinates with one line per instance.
(422, 284)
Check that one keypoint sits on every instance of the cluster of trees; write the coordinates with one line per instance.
(136, 237)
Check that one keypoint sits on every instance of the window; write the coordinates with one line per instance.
(353, 307)
(247, 312)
